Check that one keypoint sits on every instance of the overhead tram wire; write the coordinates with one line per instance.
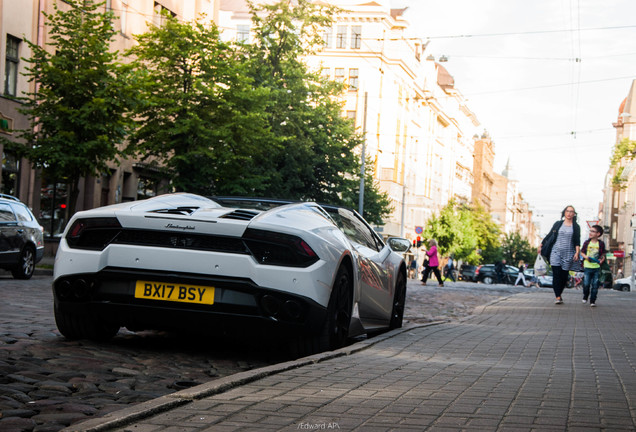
(533, 32)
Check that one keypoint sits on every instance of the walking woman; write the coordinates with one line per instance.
(433, 263)
(562, 246)
(521, 277)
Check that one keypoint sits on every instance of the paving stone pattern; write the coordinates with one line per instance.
(48, 383)
(519, 364)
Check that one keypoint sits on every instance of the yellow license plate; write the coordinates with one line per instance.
(174, 292)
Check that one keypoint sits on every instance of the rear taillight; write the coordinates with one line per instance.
(278, 249)
(92, 233)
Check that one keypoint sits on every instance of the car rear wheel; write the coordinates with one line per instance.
(76, 326)
(26, 264)
(488, 280)
(335, 330)
(399, 300)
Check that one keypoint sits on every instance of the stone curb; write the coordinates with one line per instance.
(165, 403)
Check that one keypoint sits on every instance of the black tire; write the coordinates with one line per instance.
(399, 302)
(339, 310)
(26, 264)
(335, 330)
(488, 280)
(76, 326)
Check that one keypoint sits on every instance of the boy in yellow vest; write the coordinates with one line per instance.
(593, 252)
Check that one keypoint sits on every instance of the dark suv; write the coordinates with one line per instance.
(21, 238)
(486, 274)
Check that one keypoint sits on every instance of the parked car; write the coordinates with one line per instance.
(605, 278)
(486, 274)
(21, 238)
(624, 284)
(545, 281)
(311, 274)
(467, 273)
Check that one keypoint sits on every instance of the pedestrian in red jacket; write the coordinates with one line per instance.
(433, 263)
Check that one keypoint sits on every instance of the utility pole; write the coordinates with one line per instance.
(363, 156)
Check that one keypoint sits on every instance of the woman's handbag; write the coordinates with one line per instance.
(547, 243)
(540, 266)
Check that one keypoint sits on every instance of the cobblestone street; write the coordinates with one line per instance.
(48, 383)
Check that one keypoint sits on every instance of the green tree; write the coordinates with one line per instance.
(78, 109)
(488, 236)
(452, 229)
(316, 158)
(465, 231)
(516, 248)
(203, 117)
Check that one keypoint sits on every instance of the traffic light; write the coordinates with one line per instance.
(419, 241)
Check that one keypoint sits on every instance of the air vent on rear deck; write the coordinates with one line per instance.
(185, 211)
(241, 215)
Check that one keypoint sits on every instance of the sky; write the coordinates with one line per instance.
(545, 78)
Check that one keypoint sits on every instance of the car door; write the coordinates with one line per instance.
(376, 281)
(10, 240)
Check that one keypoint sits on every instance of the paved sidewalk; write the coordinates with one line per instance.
(519, 364)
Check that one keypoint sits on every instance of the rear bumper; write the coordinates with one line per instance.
(239, 304)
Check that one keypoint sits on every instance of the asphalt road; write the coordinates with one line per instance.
(48, 383)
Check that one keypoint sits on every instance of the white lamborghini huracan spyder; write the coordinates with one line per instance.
(312, 273)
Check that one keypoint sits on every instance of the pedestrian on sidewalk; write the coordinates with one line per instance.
(413, 269)
(593, 253)
(449, 268)
(562, 246)
(433, 263)
(500, 268)
(521, 276)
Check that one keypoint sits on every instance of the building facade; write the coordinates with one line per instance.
(418, 128)
(420, 135)
(619, 194)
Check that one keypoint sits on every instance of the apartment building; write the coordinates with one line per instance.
(420, 132)
(418, 128)
(508, 208)
(619, 201)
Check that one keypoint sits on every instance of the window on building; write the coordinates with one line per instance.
(11, 66)
(341, 37)
(325, 73)
(353, 79)
(356, 37)
(10, 168)
(160, 14)
(339, 74)
(243, 33)
(147, 187)
(53, 207)
(123, 18)
(351, 115)
(327, 37)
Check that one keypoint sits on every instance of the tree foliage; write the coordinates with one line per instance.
(248, 119)
(203, 116)
(78, 109)
(488, 235)
(466, 232)
(516, 248)
(625, 149)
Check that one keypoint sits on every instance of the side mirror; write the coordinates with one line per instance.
(398, 244)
